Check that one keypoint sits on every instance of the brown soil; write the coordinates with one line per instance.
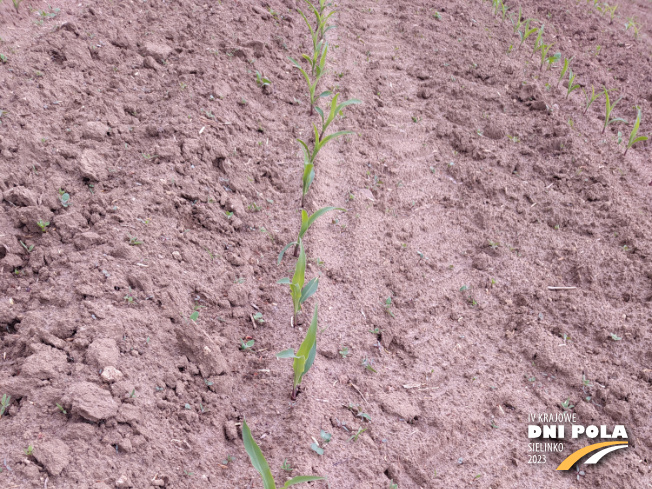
(472, 185)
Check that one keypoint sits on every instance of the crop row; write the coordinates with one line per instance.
(300, 290)
(525, 28)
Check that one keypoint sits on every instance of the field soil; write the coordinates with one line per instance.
(166, 181)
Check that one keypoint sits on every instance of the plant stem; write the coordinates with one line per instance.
(296, 250)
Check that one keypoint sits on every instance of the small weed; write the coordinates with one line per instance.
(287, 466)
(29, 450)
(590, 99)
(134, 241)
(388, 306)
(615, 337)
(345, 352)
(368, 364)
(28, 249)
(567, 405)
(61, 408)
(3, 58)
(246, 345)
(258, 317)
(64, 198)
(4, 404)
(357, 434)
(261, 81)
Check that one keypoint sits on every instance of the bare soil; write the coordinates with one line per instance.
(472, 185)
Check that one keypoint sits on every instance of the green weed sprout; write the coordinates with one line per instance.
(17, 4)
(571, 83)
(298, 291)
(42, 224)
(4, 404)
(318, 71)
(305, 355)
(306, 222)
(262, 467)
(590, 99)
(527, 32)
(608, 109)
(564, 69)
(633, 138)
(262, 81)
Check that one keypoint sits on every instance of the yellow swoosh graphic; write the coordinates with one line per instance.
(575, 456)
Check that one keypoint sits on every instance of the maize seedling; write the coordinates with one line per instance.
(319, 143)
(518, 22)
(552, 59)
(306, 222)
(318, 72)
(571, 80)
(608, 109)
(322, 28)
(633, 139)
(538, 42)
(527, 32)
(564, 69)
(334, 111)
(262, 467)
(305, 356)
(262, 81)
(544, 48)
(590, 99)
(298, 291)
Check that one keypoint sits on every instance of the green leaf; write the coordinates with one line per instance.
(308, 177)
(306, 221)
(639, 139)
(194, 316)
(333, 136)
(300, 268)
(280, 258)
(325, 93)
(285, 280)
(304, 351)
(286, 354)
(256, 457)
(317, 449)
(309, 290)
(302, 478)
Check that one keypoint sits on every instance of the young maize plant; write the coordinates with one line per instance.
(552, 59)
(518, 21)
(305, 356)
(262, 467)
(527, 32)
(590, 99)
(503, 10)
(633, 138)
(317, 68)
(306, 222)
(571, 86)
(310, 156)
(564, 69)
(544, 48)
(298, 291)
(608, 109)
(538, 42)
(321, 17)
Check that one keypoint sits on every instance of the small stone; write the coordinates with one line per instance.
(20, 196)
(111, 375)
(102, 352)
(160, 52)
(123, 481)
(91, 402)
(53, 455)
(92, 165)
